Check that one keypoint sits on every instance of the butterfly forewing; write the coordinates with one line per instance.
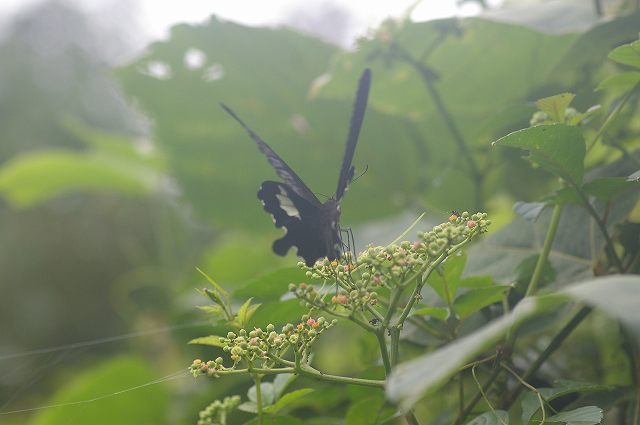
(357, 116)
(284, 171)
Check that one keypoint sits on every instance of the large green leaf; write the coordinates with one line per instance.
(557, 148)
(98, 391)
(32, 178)
(616, 295)
(265, 75)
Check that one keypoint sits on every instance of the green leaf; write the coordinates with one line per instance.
(244, 313)
(627, 54)
(412, 379)
(32, 178)
(365, 411)
(448, 278)
(587, 415)
(287, 399)
(104, 383)
(609, 188)
(616, 295)
(213, 283)
(476, 282)
(440, 313)
(625, 81)
(214, 310)
(475, 299)
(500, 417)
(555, 106)
(531, 403)
(212, 340)
(556, 148)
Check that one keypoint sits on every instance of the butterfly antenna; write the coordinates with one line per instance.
(366, 168)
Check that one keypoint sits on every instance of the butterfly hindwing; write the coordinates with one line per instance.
(306, 225)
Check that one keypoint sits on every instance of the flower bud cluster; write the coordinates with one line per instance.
(216, 412)
(259, 344)
(380, 266)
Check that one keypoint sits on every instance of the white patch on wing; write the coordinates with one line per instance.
(287, 205)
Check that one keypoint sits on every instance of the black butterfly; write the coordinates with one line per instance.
(311, 226)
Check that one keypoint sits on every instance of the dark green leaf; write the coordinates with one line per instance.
(609, 188)
(365, 411)
(476, 299)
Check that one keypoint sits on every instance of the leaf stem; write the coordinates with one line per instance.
(546, 248)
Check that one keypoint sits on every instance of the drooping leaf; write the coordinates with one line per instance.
(411, 380)
(615, 295)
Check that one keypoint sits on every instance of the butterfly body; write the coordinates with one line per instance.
(311, 226)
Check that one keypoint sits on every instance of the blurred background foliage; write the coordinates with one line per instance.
(117, 180)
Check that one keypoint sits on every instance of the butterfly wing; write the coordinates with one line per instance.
(359, 108)
(290, 178)
(306, 224)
